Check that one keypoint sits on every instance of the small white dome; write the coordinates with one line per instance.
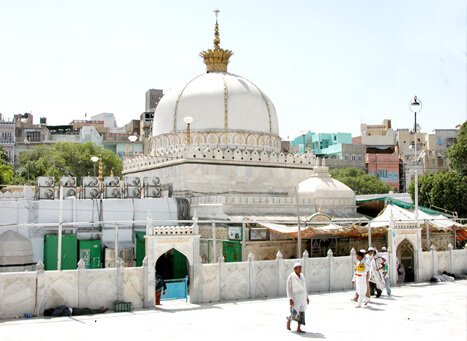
(320, 185)
(217, 101)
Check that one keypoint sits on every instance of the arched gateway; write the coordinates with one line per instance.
(161, 241)
(405, 240)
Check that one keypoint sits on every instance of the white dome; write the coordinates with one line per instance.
(217, 101)
(321, 185)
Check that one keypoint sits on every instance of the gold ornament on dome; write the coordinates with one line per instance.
(216, 59)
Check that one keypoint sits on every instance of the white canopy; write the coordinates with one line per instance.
(402, 217)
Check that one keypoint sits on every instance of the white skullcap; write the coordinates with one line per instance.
(363, 250)
(298, 264)
(383, 248)
(371, 248)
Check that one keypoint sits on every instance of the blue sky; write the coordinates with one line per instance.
(326, 65)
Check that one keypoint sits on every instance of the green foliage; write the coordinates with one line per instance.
(3, 156)
(359, 181)
(447, 190)
(7, 172)
(457, 153)
(66, 158)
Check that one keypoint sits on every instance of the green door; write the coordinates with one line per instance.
(90, 252)
(232, 251)
(140, 247)
(180, 266)
(69, 252)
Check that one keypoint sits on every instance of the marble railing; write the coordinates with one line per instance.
(169, 230)
(183, 152)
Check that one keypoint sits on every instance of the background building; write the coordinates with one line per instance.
(7, 137)
(153, 96)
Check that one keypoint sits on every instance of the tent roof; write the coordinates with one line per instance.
(401, 216)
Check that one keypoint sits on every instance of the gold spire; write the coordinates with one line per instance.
(216, 59)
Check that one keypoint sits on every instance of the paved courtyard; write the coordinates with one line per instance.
(415, 312)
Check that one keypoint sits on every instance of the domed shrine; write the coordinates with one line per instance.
(216, 140)
(223, 110)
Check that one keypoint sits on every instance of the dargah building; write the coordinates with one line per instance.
(216, 140)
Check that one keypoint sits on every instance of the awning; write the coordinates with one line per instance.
(401, 216)
(313, 231)
(461, 235)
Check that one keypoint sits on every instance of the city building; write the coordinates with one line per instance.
(153, 97)
(29, 134)
(381, 152)
(337, 148)
(386, 167)
(378, 138)
(7, 137)
(431, 151)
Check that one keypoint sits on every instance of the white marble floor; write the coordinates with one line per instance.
(415, 312)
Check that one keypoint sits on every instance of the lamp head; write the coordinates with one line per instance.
(188, 119)
(132, 138)
(94, 159)
(415, 105)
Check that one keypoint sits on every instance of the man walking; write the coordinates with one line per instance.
(361, 273)
(385, 256)
(298, 297)
(376, 282)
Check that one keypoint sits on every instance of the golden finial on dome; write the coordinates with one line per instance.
(216, 59)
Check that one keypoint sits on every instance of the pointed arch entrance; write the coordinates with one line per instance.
(174, 251)
(406, 255)
(173, 265)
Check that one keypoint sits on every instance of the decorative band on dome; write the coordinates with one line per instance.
(216, 59)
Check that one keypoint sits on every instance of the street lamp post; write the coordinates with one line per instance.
(415, 106)
(132, 139)
(94, 159)
(188, 120)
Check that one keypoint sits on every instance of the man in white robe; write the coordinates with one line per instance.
(298, 297)
(361, 278)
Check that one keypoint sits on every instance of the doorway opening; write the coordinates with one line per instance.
(405, 269)
(174, 268)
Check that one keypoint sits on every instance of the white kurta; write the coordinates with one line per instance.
(361, 270)
(296, 290)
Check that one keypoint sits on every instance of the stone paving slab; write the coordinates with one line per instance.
(415, 312)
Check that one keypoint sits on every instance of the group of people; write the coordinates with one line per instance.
(371, 275)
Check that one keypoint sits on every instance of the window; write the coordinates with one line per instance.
(33, 136)
(360, 158)
(354, 157)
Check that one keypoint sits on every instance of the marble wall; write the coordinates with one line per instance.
(435, 262)
(17, 293)
(32, 292)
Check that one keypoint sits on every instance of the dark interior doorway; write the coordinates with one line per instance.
(172, 265)
(405, 254)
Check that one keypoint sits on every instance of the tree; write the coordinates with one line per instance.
(65, 158)
(6, 169)
(3, 156)
(359, 181)
(457, 153)
(447, 190)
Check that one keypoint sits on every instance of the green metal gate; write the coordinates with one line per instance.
(69, 252)
(232, 251)
(90, 252)
(140, 247)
